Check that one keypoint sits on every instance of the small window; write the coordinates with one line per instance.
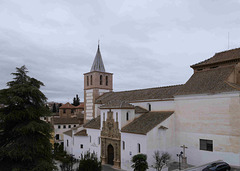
(127, 116)
(72, 110)
(59, 126)
(87, 81)
(139, 148)
(67, 143)
(91, 79)
(99, 140)
(69, 126)
(45, 118)
(149, 107)
(74, 125)
(106, 80)
(206, 145)
(90, 139)
(81, 146)
(100, 79)
(123, 143)
(64, 110)
(64, 126)
(57, 136)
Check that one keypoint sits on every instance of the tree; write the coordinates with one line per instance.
(89, 162)
(76, 101)
(160, 161)
(25, 139)
(54, 109)
(140, 162)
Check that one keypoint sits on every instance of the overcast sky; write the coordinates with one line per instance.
(144, 43)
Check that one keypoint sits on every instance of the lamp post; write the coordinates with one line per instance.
(179, 156)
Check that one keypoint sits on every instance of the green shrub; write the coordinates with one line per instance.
(89, 162)
(140, 162)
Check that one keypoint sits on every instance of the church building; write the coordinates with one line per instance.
(200, 117)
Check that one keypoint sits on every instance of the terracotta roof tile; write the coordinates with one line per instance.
(146, 122)
(233, 54)
(94, 123)
(82, 133)
(65, 121)
(117, 104)
(67, 106)
(139, 95)
(209, 81)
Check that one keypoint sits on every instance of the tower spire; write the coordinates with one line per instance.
(98, 62)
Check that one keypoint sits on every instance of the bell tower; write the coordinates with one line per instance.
(96, 82)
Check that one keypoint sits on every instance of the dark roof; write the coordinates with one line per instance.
(117, 104)
(139, 110)
(146, 122)
(98, 62)
(230, 55)
(82, 133)
(139, 95)
(69, 133)
(94, 123)
(65, 121)
(210, 81)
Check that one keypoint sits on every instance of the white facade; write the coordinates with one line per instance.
(59, 129)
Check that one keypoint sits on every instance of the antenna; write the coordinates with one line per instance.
(228, 39)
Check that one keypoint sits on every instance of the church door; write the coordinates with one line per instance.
(110, 154)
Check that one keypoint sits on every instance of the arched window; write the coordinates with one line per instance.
(106, 80)
(100, 79)
(139, 148)
(90, 139)
(87, 81)
(91, 80)
(67, 143)
(123, 145)
(149, 107)
(127, 116)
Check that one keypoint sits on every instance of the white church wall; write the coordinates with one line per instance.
(131, 148)
(61, 130)
(95, 143)
(68, 144)
(210, 117)
(162, 140)
(157, 105)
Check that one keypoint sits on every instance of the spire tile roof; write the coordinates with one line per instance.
(98, 62)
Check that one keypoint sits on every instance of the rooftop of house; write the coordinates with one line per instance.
(65, 121)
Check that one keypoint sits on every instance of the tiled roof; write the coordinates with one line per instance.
(139, 95)
(69, 133)
(81, 106)
(94, 123)
(65, 121)
(139, 110)
(146, 122)
(98, 62)
(233, 54)
(67, 106)
(117, 104)
(82, 133)
(208, 82)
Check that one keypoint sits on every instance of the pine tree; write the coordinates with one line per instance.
(54, 109)
(76, 101)
(24, 139)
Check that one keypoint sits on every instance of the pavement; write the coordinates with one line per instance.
(107, 167)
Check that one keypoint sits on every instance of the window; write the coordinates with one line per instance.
(91, 79)
(90, 139)
(57, 136)
(74, 125)
(106, 80)
(72, 110)
(45, 118)
(149, 107)
(59, 126)
(67, 143)
(206, 145)
(123, 145)
(64, 110)
(69, 126)
(139, 148)
(100, 79)
(99, 140)
(81, 145)
(87, 81)
(127, 116)
(64, 126)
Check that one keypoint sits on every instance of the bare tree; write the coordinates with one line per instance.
(160, 160)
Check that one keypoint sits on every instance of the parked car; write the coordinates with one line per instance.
(218, 166)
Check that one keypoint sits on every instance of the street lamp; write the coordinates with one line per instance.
(179, 156)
